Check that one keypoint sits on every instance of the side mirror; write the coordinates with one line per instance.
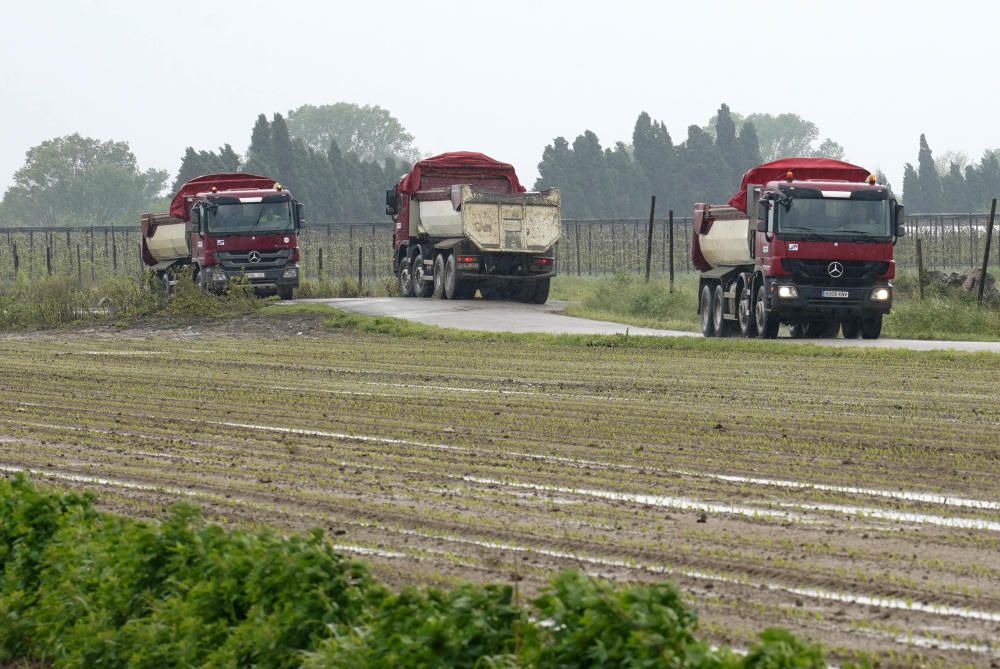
(390, 198)
(300, 215)
(763, 207)
(390, 211)
(900, 230)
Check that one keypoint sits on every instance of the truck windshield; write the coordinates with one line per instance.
(829, 217)
(250, 218)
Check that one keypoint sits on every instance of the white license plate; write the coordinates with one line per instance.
(836, 293)
(255, 275)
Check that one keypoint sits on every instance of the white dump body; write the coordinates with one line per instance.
(515, 222)
(726, 244)
(166, 240)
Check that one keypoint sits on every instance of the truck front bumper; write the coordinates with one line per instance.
(273, 279)
(792, 300)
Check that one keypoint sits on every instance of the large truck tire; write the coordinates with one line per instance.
(723, 327)
(439, 276)
(705, 307)
(421, 287)
(767, 324)
(285, 293)
(452, 285)
(851, 328)
(405, 277)
(744, 309)
(871, 326)
(541, 291)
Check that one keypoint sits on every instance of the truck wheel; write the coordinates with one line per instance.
(452, 289)
(705, 307)
(723, 327)
(541, 292)
(285, 293)
(851, 328)
(421, 288)
(168, 290)
(439, 276)
(871, 326)
(405, 278)
(748, 325)
(767, 324)
(199, 280)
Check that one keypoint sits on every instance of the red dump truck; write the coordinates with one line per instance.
(226, 225)
(806, 242)
(463, 222)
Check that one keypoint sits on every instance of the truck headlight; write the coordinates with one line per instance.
(787, 292)
(290, 273)
(881, 295)
(219, 275)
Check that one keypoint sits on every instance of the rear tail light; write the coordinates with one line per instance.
(467, 259)
(541, 263)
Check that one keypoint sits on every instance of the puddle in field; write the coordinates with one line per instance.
(646, 499)
(927, 497)
(813, 593)
(698, 505)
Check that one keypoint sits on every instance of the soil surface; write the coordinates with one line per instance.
(851, 498)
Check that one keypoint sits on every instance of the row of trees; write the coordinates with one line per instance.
(334, 185)
(951, 184)
(705, 167)
(338, 159)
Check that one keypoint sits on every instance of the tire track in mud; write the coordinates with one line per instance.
(545, 485)
(646, 498)
(619, 564)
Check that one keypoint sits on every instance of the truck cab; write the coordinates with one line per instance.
(225, 225)
(824, 250)
(249, 233)
(806, 242)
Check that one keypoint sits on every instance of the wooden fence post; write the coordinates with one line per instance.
(670, 218)
(920, 269)
(649, 235)
(986, 255)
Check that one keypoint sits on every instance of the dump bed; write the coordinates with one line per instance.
(492, 221)
(164, 240)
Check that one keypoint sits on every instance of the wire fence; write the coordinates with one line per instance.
(364, 250)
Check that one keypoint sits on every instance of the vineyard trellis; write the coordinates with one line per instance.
(333, 250)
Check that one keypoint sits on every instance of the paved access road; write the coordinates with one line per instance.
(499, 316)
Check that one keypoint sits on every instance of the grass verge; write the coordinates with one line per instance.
(944, 313)
(81, 588)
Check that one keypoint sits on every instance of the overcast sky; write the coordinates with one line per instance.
(503, 77)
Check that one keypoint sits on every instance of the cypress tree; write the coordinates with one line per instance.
(931, 194)
(912, 195)
(260, 155)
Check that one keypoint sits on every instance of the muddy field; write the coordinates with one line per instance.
(852, 497)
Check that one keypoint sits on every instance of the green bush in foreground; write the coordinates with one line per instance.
(80, 588)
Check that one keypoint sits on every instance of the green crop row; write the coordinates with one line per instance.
(82, 588)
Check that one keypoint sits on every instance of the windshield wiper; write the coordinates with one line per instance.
(811, 234)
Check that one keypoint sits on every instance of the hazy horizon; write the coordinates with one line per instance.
(503, 80)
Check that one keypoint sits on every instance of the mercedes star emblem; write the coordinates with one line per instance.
(254, 257)
(835, 269)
